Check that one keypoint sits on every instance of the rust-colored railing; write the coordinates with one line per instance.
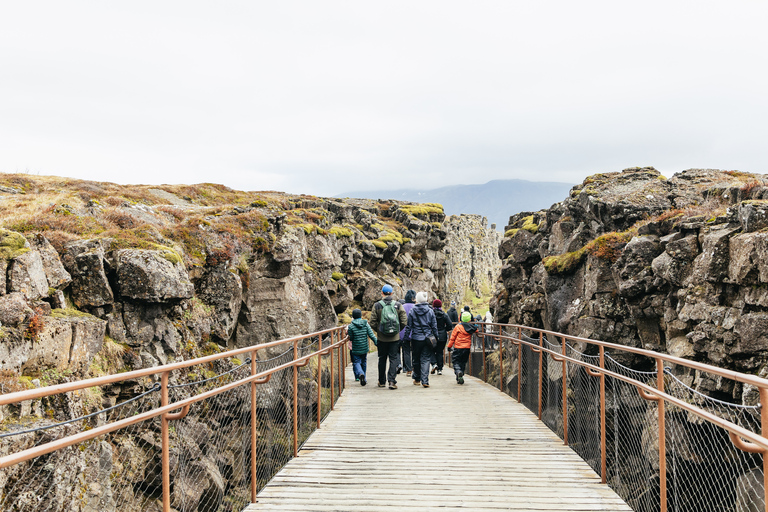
(707, 475)
(297, 353)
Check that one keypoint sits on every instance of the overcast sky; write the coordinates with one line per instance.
(323, 97)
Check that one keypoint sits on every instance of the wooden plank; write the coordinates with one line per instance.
(443, 448)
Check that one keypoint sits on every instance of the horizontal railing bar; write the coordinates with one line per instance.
(31, 394)
(740, 377)
(725, 424)
(65, 442)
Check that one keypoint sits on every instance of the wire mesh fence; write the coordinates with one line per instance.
(704, 470)
(209, 450)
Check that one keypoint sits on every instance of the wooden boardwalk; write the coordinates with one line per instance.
(444, 448)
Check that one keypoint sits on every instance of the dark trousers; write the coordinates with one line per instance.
(388, 350)
(407, 363)
(422, 354)
(437, 355)
(459, 357)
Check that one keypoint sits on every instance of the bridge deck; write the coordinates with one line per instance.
(445, 448)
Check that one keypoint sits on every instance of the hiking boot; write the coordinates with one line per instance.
(408, 373)
(399, 369)
(381, 385)
(362, 380)
(439, 372)
(357, 379)
(433, 370)
(460, 377)
(392, 385)
(425, 385)
(416, 383)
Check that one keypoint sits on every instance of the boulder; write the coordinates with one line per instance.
(27, 275)
(55, 273)
(151, 276)
(222, 290)
(87, 339)
(84, 260)
(50, 348)
(14, 309)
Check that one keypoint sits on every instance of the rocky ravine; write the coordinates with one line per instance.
(676, 265)
(254, 268)
(101, 278)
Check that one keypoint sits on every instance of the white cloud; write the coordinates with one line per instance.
(311, 96)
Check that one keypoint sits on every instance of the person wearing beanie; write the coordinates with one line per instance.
(452, 313)
(359, 331)
(444, 326)
(387, 318)
(460, 343)
(421, 323)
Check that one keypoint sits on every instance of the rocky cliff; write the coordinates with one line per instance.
(158, 270)
(675, 265)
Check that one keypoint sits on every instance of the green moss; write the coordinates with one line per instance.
(529, 225)
(259, 203)
(340, 231)
(337, 276)
(422, 209)
(69, 313)
(12, 244)
(564, 263)
(391, 236)
(308, 228)
(511, 232)
(380, 244)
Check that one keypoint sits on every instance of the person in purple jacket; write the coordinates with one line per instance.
(407, 364)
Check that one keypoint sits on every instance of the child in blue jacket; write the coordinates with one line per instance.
(359, 332)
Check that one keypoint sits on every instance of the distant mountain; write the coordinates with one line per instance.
(497, 199)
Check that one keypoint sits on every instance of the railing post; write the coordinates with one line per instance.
(343, 351)
(519, 362)
(319, 379)
(166, 456)
(295, 399)
(485, 366)
(541, 355)
(471, 346)
(501, 364)
(764, 433)
(333, 339)
(565, 394)
(662, 438)
(254, 436)
(603, 459)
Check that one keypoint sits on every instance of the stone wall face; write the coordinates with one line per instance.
(633, 258)
(150, 301)
(472, 263)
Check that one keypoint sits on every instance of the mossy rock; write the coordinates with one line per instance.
(12, 244)
(337, 276)
(340, 232)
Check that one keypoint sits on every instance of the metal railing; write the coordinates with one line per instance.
(652, 434)
(204, 434)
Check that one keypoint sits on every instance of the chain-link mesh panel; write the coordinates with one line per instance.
(705, 471)
(632, 457)
(210, 448)
(584, 409)
(530, 377)
(552, 390)
(118, 471)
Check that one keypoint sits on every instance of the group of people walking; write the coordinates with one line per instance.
(417, 329)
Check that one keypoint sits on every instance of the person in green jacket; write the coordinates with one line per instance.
(359, 332)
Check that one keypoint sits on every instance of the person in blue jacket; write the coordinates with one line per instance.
(421, 323)
(359, 332)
